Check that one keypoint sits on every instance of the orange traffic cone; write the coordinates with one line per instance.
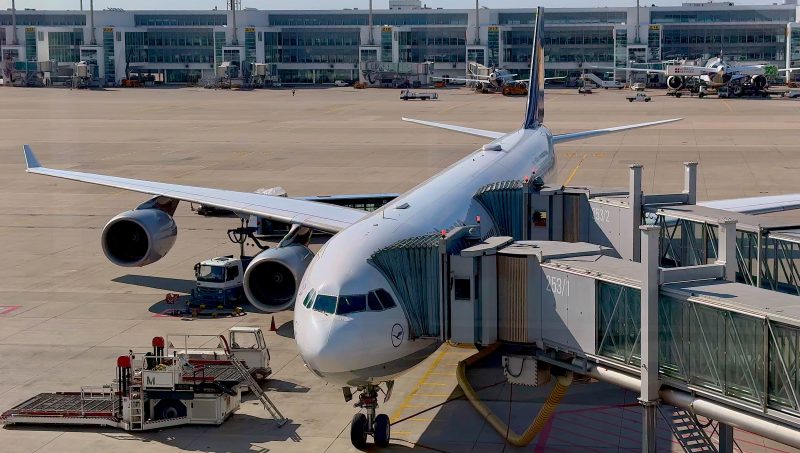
(272, 327)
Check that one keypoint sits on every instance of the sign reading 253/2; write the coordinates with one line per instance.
(558, 285)
(601, 215)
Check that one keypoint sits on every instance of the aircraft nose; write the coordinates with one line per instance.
(315, 346)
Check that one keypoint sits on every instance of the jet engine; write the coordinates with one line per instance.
(139, 237)
(675, 82)
(272, 278)
(759, 82)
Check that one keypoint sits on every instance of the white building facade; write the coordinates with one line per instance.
(321, 46)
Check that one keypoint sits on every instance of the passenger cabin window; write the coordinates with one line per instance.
(351, 304)
(325, 304)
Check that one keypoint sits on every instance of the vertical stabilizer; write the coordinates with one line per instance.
(534, 115)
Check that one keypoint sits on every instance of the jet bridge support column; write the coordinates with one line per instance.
(725, 438)
(635, 201)
(690, 182)
(650, 384)
(727, 248)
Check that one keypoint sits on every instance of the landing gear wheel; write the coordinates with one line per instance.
(382, 430)
(358, 431)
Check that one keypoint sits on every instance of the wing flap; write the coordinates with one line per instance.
(757, 205)
(321, 216)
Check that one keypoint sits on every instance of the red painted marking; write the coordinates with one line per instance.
(541, 445)
(6, 309)
(168, 313)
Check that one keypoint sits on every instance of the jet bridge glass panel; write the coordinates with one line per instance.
(706, 347)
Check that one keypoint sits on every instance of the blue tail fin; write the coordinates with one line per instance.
(534, 115)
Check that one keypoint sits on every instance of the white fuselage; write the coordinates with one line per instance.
(364, 348)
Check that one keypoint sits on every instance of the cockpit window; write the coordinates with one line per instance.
(351, 304)
(386, 299)
(325, 304)
(309, 299)
(373, 303)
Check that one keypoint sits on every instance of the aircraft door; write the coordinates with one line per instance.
(464, 299)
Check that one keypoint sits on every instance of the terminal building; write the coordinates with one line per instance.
(321, 46)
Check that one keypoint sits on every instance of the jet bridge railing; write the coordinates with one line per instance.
(767, 259)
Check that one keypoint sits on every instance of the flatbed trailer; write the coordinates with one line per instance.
(152, 391)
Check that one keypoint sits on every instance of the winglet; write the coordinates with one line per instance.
(30, 159)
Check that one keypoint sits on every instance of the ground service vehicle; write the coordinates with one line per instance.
(162, 388)
(639, 97)
(219, 281)
(408, 95)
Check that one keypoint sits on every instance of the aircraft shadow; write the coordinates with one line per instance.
(241, 433)
(286, 329)
(175, 285)
(592, 416)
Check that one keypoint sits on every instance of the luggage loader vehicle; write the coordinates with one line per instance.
(155, 390)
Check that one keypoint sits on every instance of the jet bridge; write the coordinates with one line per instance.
(570, 275)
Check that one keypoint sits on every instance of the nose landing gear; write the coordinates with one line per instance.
(370, 424)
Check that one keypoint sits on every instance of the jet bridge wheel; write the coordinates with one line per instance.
(358, 431)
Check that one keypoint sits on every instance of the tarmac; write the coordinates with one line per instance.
(66, 313)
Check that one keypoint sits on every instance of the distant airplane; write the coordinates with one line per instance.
(351, 323)
(715, 74)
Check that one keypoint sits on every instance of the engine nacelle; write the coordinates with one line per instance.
(759, 82)
(272, 278)
(675, 82)
(139, 237)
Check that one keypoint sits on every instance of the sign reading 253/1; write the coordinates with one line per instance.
(558, 285)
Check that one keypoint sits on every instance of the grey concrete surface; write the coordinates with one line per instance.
(67, 313)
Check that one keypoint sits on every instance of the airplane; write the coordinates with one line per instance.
(715, 74)
(497, 80)
(351, 324)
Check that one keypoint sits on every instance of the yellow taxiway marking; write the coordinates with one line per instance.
(415, 391)
(449, 109)
(434, 383)
(727, 104)
(575, 170)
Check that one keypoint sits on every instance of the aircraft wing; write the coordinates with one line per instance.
(757, 205)
(320, 216)
(462, 79)
(649, 71)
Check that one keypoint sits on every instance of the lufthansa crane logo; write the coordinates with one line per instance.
(397, 335)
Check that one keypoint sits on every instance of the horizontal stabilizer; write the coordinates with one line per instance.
(30, 159)
(586, 134)
(463, 130)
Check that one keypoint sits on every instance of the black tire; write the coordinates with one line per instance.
(383, 430)
(358, 431)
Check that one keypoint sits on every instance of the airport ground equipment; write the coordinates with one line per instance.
(589, 77)
(423, 96)
(792, 94)
(638, 97)
(165, 387)
(219, 281)
(689, 305)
